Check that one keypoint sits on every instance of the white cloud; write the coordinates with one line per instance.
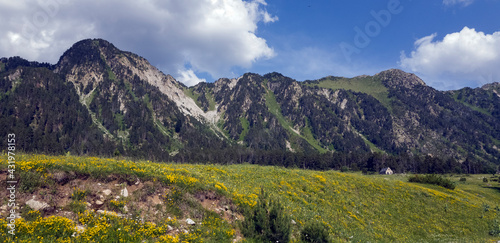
(210, 36)
(189, 78)
(460, 57)
(458, 2)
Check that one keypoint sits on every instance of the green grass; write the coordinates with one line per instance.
(189, 92)
(309, 137)
(354, 207)
(220, 125)
(87, 99)
(475, 185)
(99, 125)
(367, 84)
(211, 101)
(193, 95)
(372, 146)
(111, 75)
(475, 108)
(245, 124)
(86, 102)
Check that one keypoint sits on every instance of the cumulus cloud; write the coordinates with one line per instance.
(189, 78)
(468, 55)
(458, 2)
(211, 36)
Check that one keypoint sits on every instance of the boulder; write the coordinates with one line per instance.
(107, 192)
(37, 205)
(124, 192)
(190, 221)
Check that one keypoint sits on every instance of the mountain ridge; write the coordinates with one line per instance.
(147, 113)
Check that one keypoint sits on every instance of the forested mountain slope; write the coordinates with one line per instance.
(100, 100)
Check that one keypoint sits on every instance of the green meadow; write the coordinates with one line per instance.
(354, 207)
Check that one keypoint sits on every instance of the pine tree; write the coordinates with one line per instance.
(267, 221)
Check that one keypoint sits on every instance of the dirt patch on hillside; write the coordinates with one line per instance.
(144, 200)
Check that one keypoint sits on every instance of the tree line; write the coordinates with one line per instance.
(371, 162)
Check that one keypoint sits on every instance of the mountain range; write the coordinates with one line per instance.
(100, 100)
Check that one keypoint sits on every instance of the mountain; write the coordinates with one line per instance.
(100, 100)
(128, 103)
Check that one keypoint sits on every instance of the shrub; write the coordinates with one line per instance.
(51, 228)
(315, 232)
(78, 194)
(364, 171)
(77, 207)
(31, 215)
(267, 221)
(117, 205)
(495, 228)
(30, 181)
(485, 179)
(463, 179)
(433, 179)
(344, 169)
(486, 207)
(173, 200)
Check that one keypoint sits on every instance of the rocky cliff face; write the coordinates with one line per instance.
(142, 112)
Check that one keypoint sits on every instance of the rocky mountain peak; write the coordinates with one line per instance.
(87, 50)
(396, 78)
(491, 86)
(93, 44)
(225, 82)
(494, 87)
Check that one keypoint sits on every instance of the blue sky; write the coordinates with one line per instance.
(450, 44)
(313, 30)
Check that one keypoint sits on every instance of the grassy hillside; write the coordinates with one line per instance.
(363, 84)
(355, 207)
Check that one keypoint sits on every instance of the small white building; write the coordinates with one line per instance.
(386, 171)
